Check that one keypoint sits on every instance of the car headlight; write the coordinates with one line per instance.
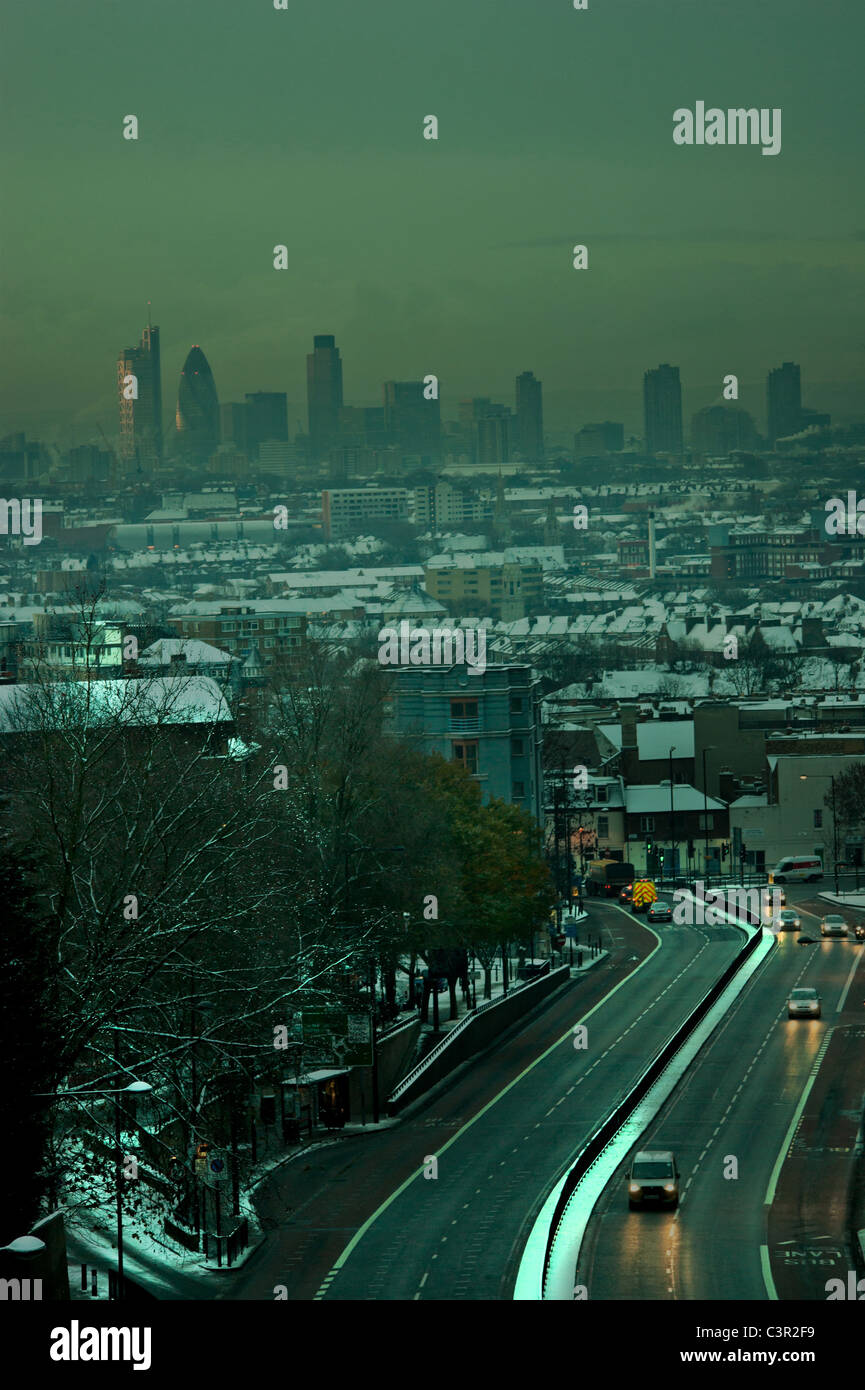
(813, 1008)
(634, 1187)
(669, 1187)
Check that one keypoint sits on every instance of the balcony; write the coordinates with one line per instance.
(465, 726)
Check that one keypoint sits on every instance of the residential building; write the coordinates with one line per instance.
(488, 721)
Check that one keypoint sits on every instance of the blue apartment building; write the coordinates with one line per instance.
(490, 722)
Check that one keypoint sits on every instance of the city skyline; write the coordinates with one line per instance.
(451, 256)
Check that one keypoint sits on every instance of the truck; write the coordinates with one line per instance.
(645, 893)
(607, 877)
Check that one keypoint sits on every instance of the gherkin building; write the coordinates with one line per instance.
(197, 408)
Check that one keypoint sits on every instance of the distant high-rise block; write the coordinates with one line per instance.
(234, 424)
(662, 410)
(593, 441)
(530, 418)
(267, 417)
(412, 422)
(323, 392)
(492, 436)
(719, 429)
(784, 401)
(197, 408)
(141, 417)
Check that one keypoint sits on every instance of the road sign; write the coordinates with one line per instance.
(335, 1037)
(571, 930)
(217, 1165)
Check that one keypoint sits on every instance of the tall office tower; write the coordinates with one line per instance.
(595, 440)
(234, 424)
(412, 423)
(266, 416)
(784, 401)
(530, 418)
(323, 393)
(492, 436)
(141, 413)
(662, 410)
(197, 416)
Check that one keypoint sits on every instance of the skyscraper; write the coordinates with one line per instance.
(266, 417)
(784, 401)
(530, 420)
(197, 408)
(140, 401)
(323, 392)
(412, 422)
(662, 410)
(492, 436)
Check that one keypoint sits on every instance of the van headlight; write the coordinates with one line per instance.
(813, 1008)
(634, 1187)
(669, 1187)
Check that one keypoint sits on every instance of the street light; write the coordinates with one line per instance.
(672, 820)
(828, 777)
(135, 1088)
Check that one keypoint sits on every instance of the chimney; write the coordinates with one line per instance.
(628, 717)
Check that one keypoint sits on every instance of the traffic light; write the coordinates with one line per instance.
(724, 850)
(690, 849)
(743, 853)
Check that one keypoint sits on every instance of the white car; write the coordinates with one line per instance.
(803, 1003)
(833, 925)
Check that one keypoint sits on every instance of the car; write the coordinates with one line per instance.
(659, 911)
(627, 894)
(803, 939)
(833, 925)
(787, 920)
(803, 1003)
(859, 931)
(653, 1177)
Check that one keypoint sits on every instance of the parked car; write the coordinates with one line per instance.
(833, 925)
(659, 911)
(653, 1177)
(787, 919)
(803, 1003)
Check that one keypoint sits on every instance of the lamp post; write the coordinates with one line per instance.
(135, 1088)
(710, 747)
(828, 777)
(672, 819)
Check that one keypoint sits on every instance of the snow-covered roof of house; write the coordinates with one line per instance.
(135, 703)
(656, 798)
(196, 652)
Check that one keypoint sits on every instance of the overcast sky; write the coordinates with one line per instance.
(304, 127)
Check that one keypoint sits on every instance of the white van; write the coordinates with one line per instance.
(798, 867)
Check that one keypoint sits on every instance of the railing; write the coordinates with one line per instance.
(466, 726)
(455, 1032)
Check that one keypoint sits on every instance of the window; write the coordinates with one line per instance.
(647, 823)
(517, 747)
(268, 641)
(467, 754)
(818, 820)
(603, 827)
(600, 793)
(229, 627)
(706, 822)
(516, 704)
(464, 709)
(519, 789)
(268, 624)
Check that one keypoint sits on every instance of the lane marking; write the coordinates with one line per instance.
(797, 1115)
(766, 1267)
(853, 968)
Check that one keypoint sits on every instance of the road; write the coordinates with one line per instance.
(741, 1102)
(377, 1229)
